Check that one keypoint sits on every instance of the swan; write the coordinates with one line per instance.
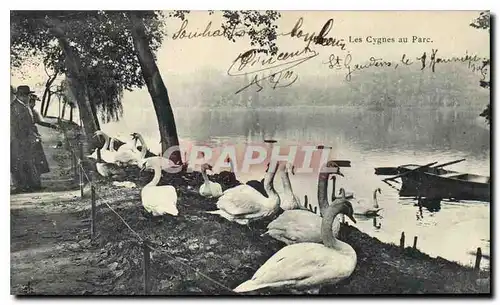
(209, 189)
(288, 199)
(295, 226)
(243, 204)
(108, 169)
(107, 153)
(364, 207)
(348, 195)
(128, 154)
(258, 185)
(228, 177)
(308, 265)
(158, 199)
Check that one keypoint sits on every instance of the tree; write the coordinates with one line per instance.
(261, 31)
(99, 58)
(483, 22)
(92, 48)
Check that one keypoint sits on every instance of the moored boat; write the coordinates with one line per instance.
(436, 182)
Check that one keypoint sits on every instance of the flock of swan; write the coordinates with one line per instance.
(313, 255)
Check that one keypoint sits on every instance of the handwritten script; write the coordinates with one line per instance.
(278, 70)
(474, 63)
(275, 69)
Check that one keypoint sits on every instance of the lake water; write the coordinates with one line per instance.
(368, 139)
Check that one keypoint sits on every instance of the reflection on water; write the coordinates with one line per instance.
(369, 139)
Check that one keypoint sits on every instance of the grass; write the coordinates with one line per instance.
(231, 253)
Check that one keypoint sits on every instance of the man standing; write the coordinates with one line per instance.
(23, 137)
(38, 153)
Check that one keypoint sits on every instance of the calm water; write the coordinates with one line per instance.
(368, 139)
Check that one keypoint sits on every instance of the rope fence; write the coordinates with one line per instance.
(146, 246)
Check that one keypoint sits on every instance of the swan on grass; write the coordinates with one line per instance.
(308, 266)
(108, 169)
(295, 226)
(368, 207)
(158, 199)
(128, 154)
(243, 204)
(107, 152)
(209, 189)
(259, 185)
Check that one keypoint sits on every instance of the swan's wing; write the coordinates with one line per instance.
(292, 217)
(160, 200)
(242, 200)
(293, 263)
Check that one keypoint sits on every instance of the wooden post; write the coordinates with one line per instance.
(93, 212)
(402, 241)
(147, 257)
(479, 255)
(80, 165)
(415, 242)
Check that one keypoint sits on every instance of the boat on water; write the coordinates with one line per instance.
(435, 182)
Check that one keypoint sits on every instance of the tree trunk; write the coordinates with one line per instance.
(77, 85)
(46, 94)
(63, 110)
(47, 103)
(156, 88)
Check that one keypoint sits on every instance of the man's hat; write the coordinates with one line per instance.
(24, 90)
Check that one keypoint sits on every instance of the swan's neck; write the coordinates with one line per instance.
(144, 147)
(205, 177)
(375, 201)
(334, 195)
(326, 226)
(269, 187)
(107, 139)
(111, 146)
(322, 191)
(287, 185)
(156, 177)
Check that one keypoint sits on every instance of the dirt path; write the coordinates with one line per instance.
(44, 253)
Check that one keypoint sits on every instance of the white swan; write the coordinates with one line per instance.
(347, 195)
(107, 153)
(243, 204)
(209, 189)
(295, 226)
(365, 207)
(308, 265)
(288, 199)
(128, 154)
(159, 199)
(108, 169)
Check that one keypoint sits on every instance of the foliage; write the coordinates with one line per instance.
(258, 25)
(105, 48)
(483, 22)
(102, 41)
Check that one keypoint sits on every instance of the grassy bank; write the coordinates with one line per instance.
(230, 253)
